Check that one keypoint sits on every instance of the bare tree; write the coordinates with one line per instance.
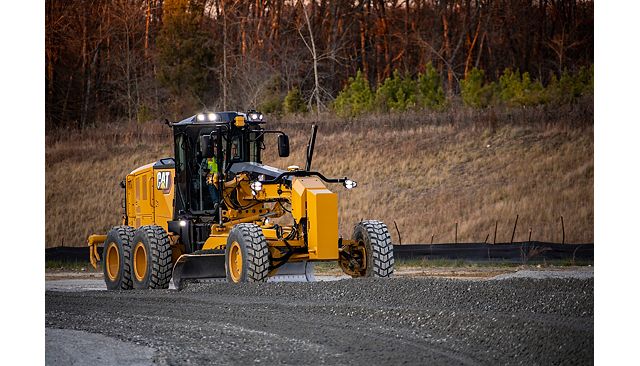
(102, 55)
(314, 55)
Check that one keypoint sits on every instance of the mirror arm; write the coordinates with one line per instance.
(263, 132)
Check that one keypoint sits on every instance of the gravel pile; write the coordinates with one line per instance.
(364, 321)
(563, 297)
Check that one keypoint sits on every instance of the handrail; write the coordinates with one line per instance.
(303, 173)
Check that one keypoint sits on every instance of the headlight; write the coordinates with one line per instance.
(254, 116)
(209, 116)
(350, 184)
(256, 186)
(183, 223)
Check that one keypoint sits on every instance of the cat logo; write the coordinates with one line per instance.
(163, 183)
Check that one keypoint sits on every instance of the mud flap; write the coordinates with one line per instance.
(294, 272)
(197, 266)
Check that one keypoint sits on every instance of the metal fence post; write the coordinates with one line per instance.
(514, 229)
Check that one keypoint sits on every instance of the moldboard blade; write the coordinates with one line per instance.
(198, 266)
(295, 272)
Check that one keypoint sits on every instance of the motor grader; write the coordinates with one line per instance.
(215, 211)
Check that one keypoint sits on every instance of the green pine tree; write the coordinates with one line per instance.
(396, 93)
(356, 97)
(569, 87)
(514, 89)
(430, 92)
(294, 103)
(475, 92)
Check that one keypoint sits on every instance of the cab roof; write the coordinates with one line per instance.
(218, 118)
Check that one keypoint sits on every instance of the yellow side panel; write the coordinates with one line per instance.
(140, 197)
(297, 199)
(215, 241)
(322, 216)
(163, 192)
(146, 201)
(298, 190)
(131, 200)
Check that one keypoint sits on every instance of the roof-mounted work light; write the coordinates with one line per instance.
(207, 117)
(254, 116)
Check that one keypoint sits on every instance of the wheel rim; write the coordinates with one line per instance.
(113, 261)
(362, 249)
(140, 261)
(235, 261)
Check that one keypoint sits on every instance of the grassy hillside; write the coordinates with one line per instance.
(426, 172)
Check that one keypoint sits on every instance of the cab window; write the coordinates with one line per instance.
(255, 145)
(236, 148)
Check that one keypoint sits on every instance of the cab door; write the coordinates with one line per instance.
(144, 207)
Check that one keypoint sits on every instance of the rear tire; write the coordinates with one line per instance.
(374, 237)
(151, 258)
(116, 258)
(246, 254)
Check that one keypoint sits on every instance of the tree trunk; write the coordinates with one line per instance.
(128, 73)
(224, 55)
(314, 54)
(407, 16)
(85, 80)
(472, 45)
(386, 71)
(146, 29)
(363, 43)
(447, 53)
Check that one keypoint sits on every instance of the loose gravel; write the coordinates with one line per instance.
(74, 347)
(528, 321)
(581, 273)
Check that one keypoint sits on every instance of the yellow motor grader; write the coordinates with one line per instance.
(215, 211)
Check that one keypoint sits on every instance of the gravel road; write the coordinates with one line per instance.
(515, 320)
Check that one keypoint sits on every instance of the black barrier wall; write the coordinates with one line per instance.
(513, 252)
(507, 252)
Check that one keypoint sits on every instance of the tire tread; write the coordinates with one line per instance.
(257, 251)
(160, 246)
(381, 246)
(125, 234)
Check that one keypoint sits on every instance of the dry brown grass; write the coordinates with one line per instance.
(425, 172)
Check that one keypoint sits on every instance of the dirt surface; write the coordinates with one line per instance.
(516, 319)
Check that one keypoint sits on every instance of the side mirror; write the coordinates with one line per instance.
(205, 146)
(283, 146)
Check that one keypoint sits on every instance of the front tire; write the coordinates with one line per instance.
(372, 255)
(246, 254)
(116, 258)
(151, 258)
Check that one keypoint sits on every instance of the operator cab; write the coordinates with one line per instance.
(210, 149)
